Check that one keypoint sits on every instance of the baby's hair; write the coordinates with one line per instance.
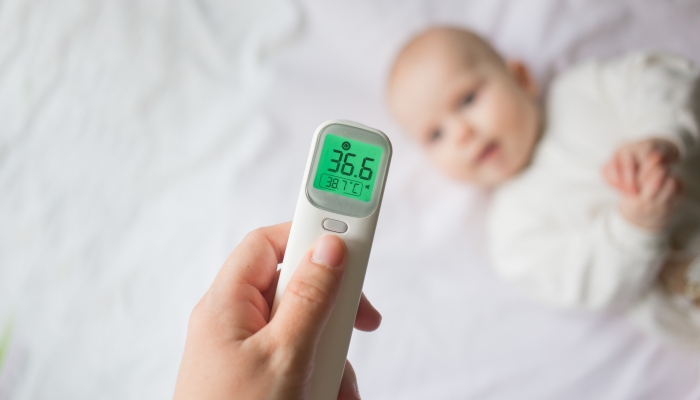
(467, 45)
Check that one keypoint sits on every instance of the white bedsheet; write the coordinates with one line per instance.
(139, 141)
(121, 126)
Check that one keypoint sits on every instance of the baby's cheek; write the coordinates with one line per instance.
(457, 168)
(509, 116)
(491, 112)
(449, 163)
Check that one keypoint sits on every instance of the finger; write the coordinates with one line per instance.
(236, 297)
(310, 295)
(348, 384)
(610, 174)
(618, 170)
(269, 294)
(614, 173)
(653, 183)
(628, 165)
(669, 189)
(651, 161)
(368, 318)
(668, 151)
(254, 261)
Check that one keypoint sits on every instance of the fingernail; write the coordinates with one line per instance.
(329, 251)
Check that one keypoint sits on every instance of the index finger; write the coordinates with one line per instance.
(254, 261)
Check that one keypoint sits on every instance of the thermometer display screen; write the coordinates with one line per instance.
(347, 167)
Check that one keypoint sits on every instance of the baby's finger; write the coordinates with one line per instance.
(617, 170)
(611, 174)
(653, 183)
(650, 161)
(629, 169)
(669, 190)
(667, 151)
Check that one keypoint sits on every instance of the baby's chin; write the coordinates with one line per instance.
(492, 180)
(486, 176)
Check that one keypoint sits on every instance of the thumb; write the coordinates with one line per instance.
(311, 294)
(669, 151)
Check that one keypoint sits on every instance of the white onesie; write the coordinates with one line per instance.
(555, 229)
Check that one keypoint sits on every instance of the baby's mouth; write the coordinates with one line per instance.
(488, 152)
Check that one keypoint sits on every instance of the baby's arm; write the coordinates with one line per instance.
(642, 173)
(584, 259)
(653, 95)
(589, 254)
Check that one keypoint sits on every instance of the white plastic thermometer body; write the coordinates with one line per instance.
(340, 198)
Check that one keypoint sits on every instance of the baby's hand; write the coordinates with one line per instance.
(641, 171)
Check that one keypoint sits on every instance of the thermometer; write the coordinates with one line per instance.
(341, 194)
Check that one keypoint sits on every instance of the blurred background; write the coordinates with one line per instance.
(140, 140)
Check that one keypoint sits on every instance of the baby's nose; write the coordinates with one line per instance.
(461, 130)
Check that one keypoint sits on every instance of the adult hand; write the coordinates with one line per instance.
(233, 349)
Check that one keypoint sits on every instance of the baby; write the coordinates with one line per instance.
(597, 200)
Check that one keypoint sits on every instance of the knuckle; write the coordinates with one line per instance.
(308, 292)
(198, 316)
(254, 235)
(291, 364)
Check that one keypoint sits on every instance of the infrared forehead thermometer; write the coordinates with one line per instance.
(341, 194)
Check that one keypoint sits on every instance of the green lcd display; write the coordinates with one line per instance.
(347, 167)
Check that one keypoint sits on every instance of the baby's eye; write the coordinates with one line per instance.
(469, 98)
(435, 135)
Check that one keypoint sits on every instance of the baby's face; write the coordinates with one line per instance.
(477, 119)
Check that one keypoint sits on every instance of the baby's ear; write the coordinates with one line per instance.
(522, 75)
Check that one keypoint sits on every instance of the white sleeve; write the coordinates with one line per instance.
(600, 260)
(655, 95)
(607, 262)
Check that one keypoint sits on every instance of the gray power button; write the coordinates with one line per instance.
(334, 225)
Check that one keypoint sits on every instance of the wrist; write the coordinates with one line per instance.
(631, 235)
(651, 224)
